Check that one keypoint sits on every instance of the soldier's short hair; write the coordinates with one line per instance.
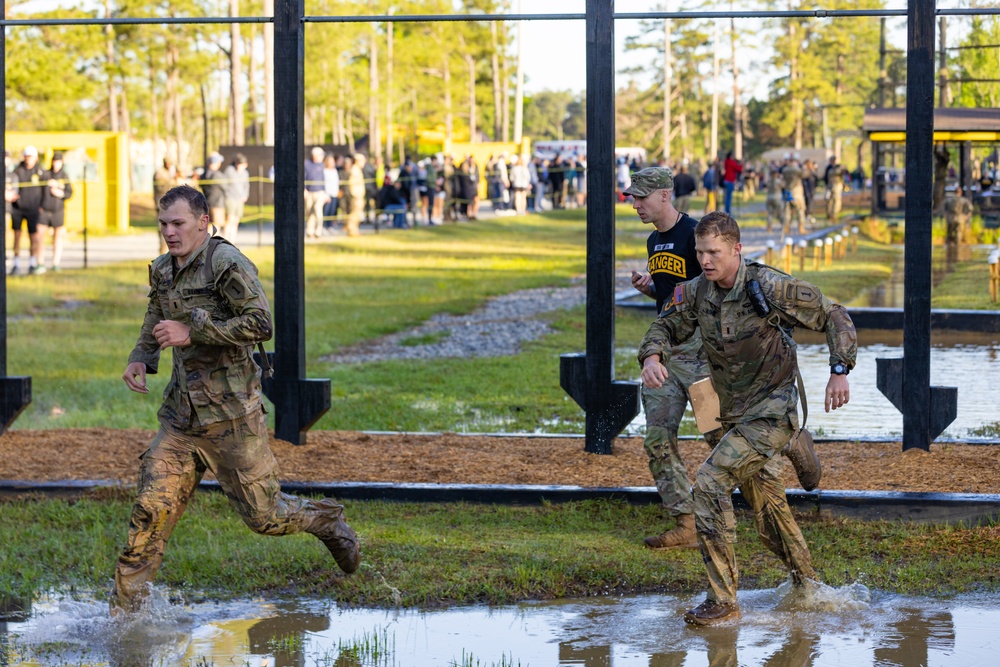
(193, 196)
(718, 223)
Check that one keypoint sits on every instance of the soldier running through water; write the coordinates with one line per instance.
(753, 367)
(206, 302)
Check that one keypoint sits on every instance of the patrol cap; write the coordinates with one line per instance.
(215, 158)
(30, 150)
(57, 155)
(647, 181)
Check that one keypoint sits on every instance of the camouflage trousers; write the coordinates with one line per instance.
(238, 454)
(664, 408)
(747, 458)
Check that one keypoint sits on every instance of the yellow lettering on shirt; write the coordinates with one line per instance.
(668, 263)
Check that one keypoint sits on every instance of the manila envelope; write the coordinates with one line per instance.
(705, 403)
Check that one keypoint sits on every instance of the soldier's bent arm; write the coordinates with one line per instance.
(802, 304)
(251, 321)
(673, 327)
(147, 349)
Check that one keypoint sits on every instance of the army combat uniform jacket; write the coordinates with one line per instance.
(752, 361)
(215, 378)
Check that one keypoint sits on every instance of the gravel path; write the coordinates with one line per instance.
(501, 326)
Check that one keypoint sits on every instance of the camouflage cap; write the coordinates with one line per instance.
(647, 181)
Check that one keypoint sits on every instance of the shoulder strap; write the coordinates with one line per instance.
(208, 271)
(773, 320)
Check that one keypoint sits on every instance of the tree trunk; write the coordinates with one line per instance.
(495, 66)
(471, 62)
(668, 84)
(268, 75)
(176, 107)
(109, 47)
(252, 80)
(154, 121)
(388, 94)
(449, 116)
(374, 137)
(237, 130)
(737, 106)
(714, 151)
(519, 85)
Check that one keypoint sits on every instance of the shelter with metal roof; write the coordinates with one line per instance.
(951, 125)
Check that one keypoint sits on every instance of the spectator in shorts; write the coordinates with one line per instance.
(54, 195)
(26, 209)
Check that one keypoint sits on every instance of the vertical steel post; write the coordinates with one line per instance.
(298, 401)
(15, 392)
(927, 410)
(589, 378)
(917, 253)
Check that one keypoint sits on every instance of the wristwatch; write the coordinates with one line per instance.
(839, 369)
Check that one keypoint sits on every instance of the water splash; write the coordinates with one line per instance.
(817, 596)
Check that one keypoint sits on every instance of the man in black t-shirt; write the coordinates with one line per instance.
(672, 260)
(684, 187)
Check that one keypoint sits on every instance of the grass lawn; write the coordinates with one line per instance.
(432, 554)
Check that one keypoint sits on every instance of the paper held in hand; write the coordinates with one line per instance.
(705, 403)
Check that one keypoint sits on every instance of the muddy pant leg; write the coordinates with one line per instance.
(664, 408)
(765, 493)
(743, 452)
(169, 473)
(238, 453)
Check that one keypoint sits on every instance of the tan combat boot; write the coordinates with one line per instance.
(683, 536)
(331, 529)
(801, 451)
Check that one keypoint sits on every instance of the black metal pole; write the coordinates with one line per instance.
(589, 378)
(15, 392)
(917, 253)
(298, 402)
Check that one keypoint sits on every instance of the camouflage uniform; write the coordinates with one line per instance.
(664, 408)
(212, 417)
(753, 368)
(957, 211)
(792, 176)
(836, 196)
(775, 204)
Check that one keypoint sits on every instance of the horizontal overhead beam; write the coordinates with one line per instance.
(451, 18)
(938, 136)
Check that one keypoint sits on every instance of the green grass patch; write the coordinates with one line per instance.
(433, 554)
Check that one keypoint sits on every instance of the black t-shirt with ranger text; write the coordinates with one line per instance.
(672, 258)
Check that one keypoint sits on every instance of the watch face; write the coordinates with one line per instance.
(839, 369)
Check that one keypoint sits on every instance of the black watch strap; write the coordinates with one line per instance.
(839, 369)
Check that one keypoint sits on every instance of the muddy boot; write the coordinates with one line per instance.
(801, 452)
(683, 536)
(331, 529)
(711, 612)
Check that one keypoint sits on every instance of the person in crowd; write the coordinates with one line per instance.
(236, 189)
(358, 188)
(211, 183)
(520, 183)
(26, 209)
(709, 182)
(834, 179)
(557, 181)
(774, 201)
(810, 178)
(672, 260)
(436, 186)
(392, 199)
(53, 214)
(315, 192)
(957, 212)
(731, 170)
(370, 171)
(331, 186)
(10, 186)
(164, 179)
(581, 181)
(212, 416)
(794, 195)
(744, 311)
(684, 187)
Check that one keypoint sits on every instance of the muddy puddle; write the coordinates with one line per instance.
(780, 628)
